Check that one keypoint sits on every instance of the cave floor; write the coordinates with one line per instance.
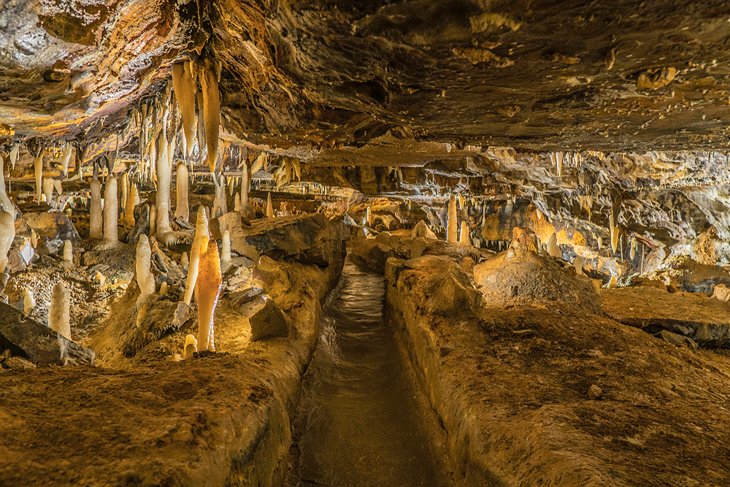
(361, 420)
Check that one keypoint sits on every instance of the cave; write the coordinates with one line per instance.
(364, 243)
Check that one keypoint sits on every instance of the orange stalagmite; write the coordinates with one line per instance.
(208, 287)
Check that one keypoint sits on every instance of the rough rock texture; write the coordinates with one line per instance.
(520, 276)
(38, 343)
(220, 419)
(704, 320)
(517, 390)
(374, 252)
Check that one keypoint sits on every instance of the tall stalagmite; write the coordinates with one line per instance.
(452, 228)
(208, 289)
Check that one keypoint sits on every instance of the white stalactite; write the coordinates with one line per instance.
(245, 188)
(68, 151)
(38, 167)
(5, 203)
(59, 312)
(184, 86)
(211, 110)
(220, 207)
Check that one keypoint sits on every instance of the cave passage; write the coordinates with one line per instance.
(359, 422)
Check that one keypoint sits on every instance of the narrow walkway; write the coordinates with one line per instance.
(359, 421)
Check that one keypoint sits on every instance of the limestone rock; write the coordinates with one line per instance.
(25, 337)
(266, 318)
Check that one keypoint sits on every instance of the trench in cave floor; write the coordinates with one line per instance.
(361, 420)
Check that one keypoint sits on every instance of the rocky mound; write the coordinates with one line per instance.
(522, 277)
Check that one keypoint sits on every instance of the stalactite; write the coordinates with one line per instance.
(68, 151)
(297, 169)
(208, 288)
(95, 217)
(58, 187)
(211, 110)
(183, 83)
(145, 278)
(111, 212)
(269, 206)
(632, 249)
(59, 315)
(452, 224)
(38, 167)
(14, 155)
(200, 241)
(68, 251)
(226, 249)
(28, 302)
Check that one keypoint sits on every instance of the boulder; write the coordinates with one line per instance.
(36, 342)
(266, 318)
(421, 229)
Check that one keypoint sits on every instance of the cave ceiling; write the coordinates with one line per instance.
(383, 82)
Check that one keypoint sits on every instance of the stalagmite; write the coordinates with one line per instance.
(68, 251)
(38, 167)
(153, 220)
(245, 187)
(48, 190)
(164, 288)
(184, 260)
(111, 212)
(614, 231)
(220, 207)
(183, 84)
(452, 224)
(368, 217)
(7, 235)
(95, 218)
(132, 201)
(28, 302)
(162, 201)
(632, 250)
(182, 210)
(59, 314)
(578, 265)
(199, 242)
(269, 206)
(211, 110)
(124, 183)
(464, 234)
(552, 247)
(145, 278)
(226, 249)
(58, 187)
(208, 288)
(5, 203)
(237, 202)
(190, 346)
